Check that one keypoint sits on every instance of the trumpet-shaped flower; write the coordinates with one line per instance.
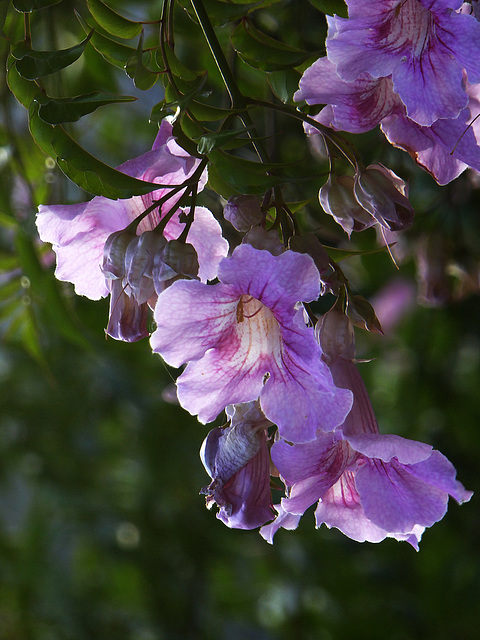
(242, 340)
(368, 485)
(410, 40)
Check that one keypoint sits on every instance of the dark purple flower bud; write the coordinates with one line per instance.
(383, 194)
(261, 239)
(181, 258)
(143, 255)
(114, 254)
(338, 199)
(243, 212)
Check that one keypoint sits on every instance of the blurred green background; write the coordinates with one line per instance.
(103, 533)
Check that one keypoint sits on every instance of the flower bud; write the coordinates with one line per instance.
(127, 319)
(114, 252)
(243, 212)
(181, 258)
(142, 255)
(265, 240)
(383, 194)
(336, 336)
(337, 199)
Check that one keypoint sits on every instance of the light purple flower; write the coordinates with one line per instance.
(237, 459)
(368, 485)
(243, 341)
(78, 232)
(411, 41)
(444, 149)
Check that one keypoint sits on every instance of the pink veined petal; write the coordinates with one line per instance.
(191, 318)
(439, 472)
(356, 106)
(396, 500)
(388, 446)
(340, 507)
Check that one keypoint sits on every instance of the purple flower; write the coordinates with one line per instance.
(444, 149)
(79, 232)
(237, 459)
(243, 341)
(368, 485)
(410, 40)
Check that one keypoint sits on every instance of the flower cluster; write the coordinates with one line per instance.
(240, 320)
(411, 66)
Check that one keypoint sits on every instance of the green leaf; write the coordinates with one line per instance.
(23, 90)
(27, 6)
(220, 12)
(263, 52)
(85, 170)
(142, 77)
(33, 64)
(112, 22)
(211, 141)
(243, 176)
(284, 83)
(175, 65)
(331, 7)
(58, 110)
(114, 52)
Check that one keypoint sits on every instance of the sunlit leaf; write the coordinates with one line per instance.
(175, 65)
(262, 51)
(32, 64)
(58, 110)
(85, 170)
(112, 22)
(114, 52)
(24, 90)
(27, 6)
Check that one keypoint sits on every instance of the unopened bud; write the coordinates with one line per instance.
(383, 194)
(181, 258)
(308, 243)
(338, 199)
(143, 253)
(336, 336)
(260, 238)
(243, 212)
(114, 251)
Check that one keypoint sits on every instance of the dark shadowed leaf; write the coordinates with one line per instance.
(27, 6)
(58, 110)
(112, 22)
(211, 141)
(243, 176)
(222, 12)
(284, 83)
(363, 314)
(263, 52)
(331, 7)
(136, 68)
(33, 64)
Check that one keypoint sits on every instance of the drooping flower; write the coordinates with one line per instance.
(410, 40)
(237, 459)
(79, 232)
(368, 485)
(242, 341)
